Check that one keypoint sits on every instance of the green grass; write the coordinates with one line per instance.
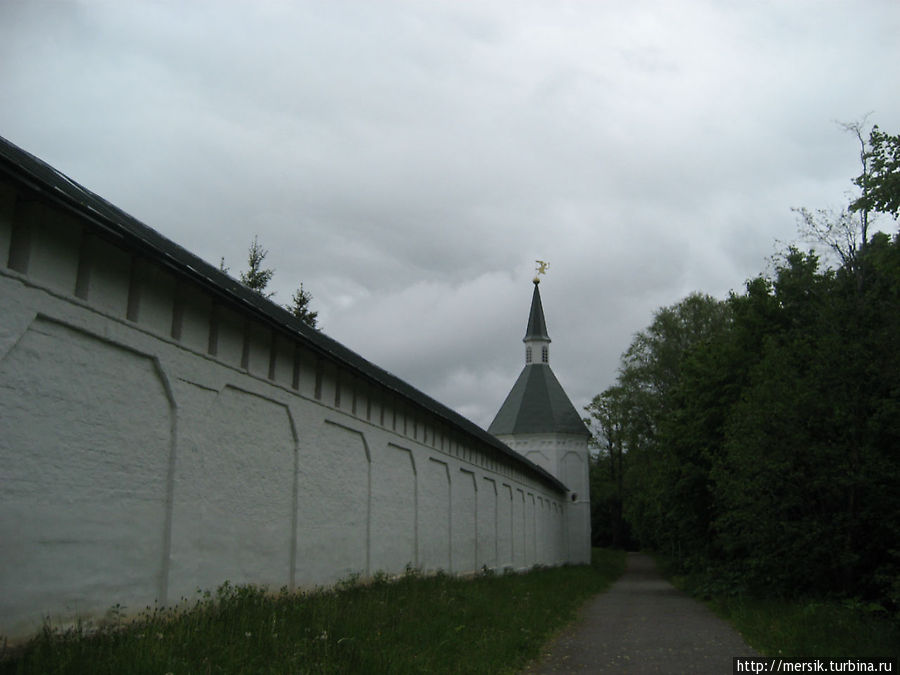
(799, 627)
(826, 629)
(415, 624)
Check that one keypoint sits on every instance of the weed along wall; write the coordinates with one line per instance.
(163, 429)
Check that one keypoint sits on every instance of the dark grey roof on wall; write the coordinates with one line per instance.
(537, 326)
(537, 404)
(34, 174)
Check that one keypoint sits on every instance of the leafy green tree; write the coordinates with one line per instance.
(802, 482)
(299, 307)
(607, 470)
(641, 403)
(880, 179)
(767, 484)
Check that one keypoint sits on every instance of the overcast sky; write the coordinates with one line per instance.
(409, 161)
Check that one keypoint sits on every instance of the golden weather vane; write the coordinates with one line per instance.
(542, 267)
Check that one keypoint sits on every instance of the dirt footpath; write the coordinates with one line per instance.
(643, 624)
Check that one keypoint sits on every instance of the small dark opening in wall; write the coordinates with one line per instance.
(574, 496)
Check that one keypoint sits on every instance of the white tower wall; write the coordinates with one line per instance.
(564, 456)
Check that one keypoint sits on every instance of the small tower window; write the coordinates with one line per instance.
(527, 354)
(545, 354)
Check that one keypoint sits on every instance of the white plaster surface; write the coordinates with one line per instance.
(564, 456)
(434, 537)
(488, 543)
(505, 526)
(83, 501)
(333, 505)
(54, 247)
(394, 510)
(464, 540)
(233, 491)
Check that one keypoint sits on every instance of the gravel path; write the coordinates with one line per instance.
(643, 624)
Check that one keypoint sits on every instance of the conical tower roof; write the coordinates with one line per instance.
(537, 403)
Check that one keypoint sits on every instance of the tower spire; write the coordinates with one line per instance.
(537, 341)
(537, 326)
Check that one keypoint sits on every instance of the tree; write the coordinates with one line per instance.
(256, 277)
(880, 179)
(652, 365)
(758, 437)
(299, 307)
(633, 417)
(845, 232)
(607, 469)
(803, 478)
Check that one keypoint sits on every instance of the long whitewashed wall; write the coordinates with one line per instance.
(155, 440)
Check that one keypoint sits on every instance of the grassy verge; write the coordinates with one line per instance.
(801, 627)
(825, 629)
(416, 624)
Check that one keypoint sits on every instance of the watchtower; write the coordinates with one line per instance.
(538, 420)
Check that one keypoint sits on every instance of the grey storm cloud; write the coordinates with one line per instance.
(408, 162)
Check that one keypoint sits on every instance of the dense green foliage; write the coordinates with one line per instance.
(757, 439)
(628, 473)
(415, 624)
(608, 525)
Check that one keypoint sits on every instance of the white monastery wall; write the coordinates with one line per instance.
(155, 439)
